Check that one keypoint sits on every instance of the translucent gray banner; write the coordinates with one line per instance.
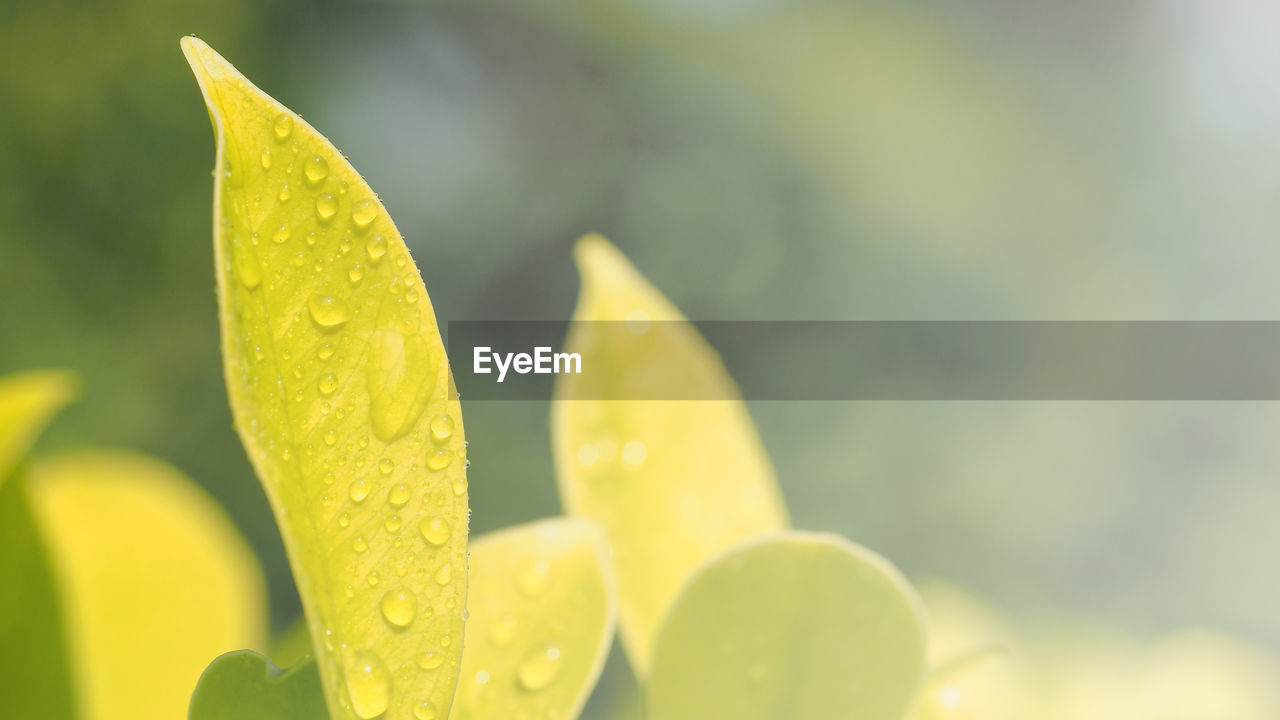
(1011, 361)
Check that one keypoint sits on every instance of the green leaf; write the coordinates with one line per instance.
(541, 622)
(796, 626)
(672, 483)
(36, 677)
(243, 685)
(154, 578)
(341, 393)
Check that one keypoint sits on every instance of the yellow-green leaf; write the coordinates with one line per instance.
(1092, 671)
(977, 668)
(35, 665)
(672, 483)
(541, 622)
(155, 580)
(340, 390)
(796, 626)
(27, 402)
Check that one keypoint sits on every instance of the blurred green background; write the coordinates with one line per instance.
(757, 159)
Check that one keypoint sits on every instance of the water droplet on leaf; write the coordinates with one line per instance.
(326, 207)
(539, 669)
(282, 126)
(399, 607)
(364, 213)
(315, 171)
(368, 685)
(328, 311)
(435, 530)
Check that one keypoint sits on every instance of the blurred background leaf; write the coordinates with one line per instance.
(153, 580)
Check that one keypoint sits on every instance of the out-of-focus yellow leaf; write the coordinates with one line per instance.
(35, 664)
(27, 402)
(672, 483)
(155, 580)
(541, 622)
(340, 390)
(976, 668)
(1091, 672)
(796, 626)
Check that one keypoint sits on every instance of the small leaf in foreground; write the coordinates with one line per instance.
(340, 390)
(243, 685)
(154, 580)
(36, 673)
(795, 626)
(541, 622)
(672, 483)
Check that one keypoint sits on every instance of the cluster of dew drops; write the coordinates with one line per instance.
(369, 683)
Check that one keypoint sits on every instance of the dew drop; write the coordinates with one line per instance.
(503, 630)
(282, 126)
(386, 466)
(330, 438)
(400, 494)
(435, 531)
(246, 264)
(401, 375)
(399, 607)
(429, 660)
(328, 311)
(359, 545)
(393, 524)
(460, 485)
(364, 213)
(444, 575)
(265, 159)
(439, 458)
(315, 171)
(328, 385)
(536, 577)
(325, 352)
(376, 247)
(326, 207)
(344, 520)
(441, 427)
(539, 669)
(368, 684)
(355, 274)
(284, 194)
(372, 579)
(281, 236)
(359, 490)
(424, 711)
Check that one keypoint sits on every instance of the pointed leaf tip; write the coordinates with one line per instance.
(671, 483)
